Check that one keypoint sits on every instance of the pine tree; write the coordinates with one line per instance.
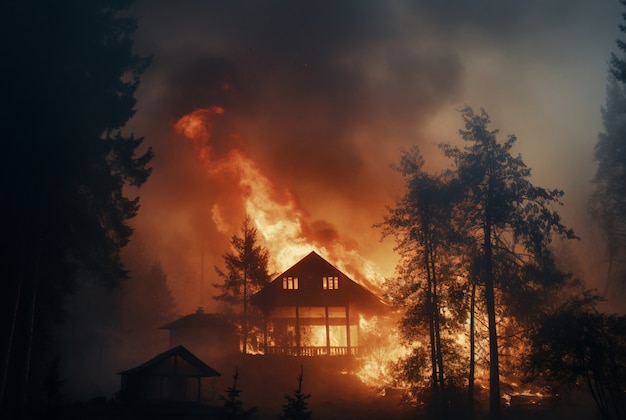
(427, 280)
(246, 273)
(296, 407)
(576, 346)
(67, 165)
(233, 406)
(144, 300)
(52, 385)
(608, 203)
(513, 223)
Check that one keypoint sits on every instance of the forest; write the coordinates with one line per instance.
(490, 315)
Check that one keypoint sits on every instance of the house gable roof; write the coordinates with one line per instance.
(310, 272)
(160, 365)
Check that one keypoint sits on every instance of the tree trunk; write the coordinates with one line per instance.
(7, 357)
(436, 315)
(29, 346)
(433, 347)
(470, 385)
(431, 325)
(608, 274)
(435, 342)
(494, 367)
(31, 327)
(244, 324)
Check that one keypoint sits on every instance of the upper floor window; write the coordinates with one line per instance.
(330, 283)
(290, 283)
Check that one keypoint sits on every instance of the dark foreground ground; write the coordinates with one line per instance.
(378, 408)
(264, 381)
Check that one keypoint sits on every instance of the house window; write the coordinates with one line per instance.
(290, 283)
(330, 283)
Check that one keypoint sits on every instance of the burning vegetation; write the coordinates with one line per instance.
(476, 271)
(480, 317)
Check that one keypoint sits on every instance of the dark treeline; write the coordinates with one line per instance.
(478, 260)
(479, 225)
(608, 203)
(475, 239)
(69, 78)
(108, 329)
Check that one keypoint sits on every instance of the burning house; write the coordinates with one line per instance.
(314, 309)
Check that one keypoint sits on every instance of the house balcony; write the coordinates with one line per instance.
(311, 351)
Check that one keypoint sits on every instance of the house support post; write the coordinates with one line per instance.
(348, 329)
(297, 330)
(265, 317)
(327, 332)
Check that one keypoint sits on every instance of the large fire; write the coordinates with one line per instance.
(275, 212)
(382, 349)
(283, 227)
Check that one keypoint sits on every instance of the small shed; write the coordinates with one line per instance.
(174, 375)
(210, 336)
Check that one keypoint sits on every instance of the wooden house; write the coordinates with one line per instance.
(314, 309)
(175, 375)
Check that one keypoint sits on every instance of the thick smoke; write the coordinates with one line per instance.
(322, 96)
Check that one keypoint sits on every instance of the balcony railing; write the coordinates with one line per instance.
(312, 351)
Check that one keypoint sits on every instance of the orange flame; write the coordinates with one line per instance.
(381, 348)
(275, 213)
(282, 226)
(197, 128)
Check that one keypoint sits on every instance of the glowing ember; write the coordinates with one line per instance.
(529, 395)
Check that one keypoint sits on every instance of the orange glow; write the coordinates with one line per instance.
(197, 128)
(380, 348)
(276, 214)
(315, 336)
(283, 228)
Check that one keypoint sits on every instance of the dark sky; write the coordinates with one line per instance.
(303, 106)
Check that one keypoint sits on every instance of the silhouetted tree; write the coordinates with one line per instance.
(71, 77)
(471, 377)
(512, 222)
(146, 299)
(233, 406)
(52, 385)
(426, 236)
(296, 407)
(608, 203)
(246, 273)
(576, 346)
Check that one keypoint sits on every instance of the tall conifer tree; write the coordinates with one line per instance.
(246, 273)
(70, 78)
(513, 221)
(608, 203)
(427, 239)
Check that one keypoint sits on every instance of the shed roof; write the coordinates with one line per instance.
(194, 366)
(199, 319)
